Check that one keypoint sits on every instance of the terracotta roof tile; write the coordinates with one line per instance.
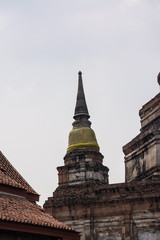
(6, 180)
(18, 209)
(13, 175)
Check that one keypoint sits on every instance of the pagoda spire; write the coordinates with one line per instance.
(81, 136)
(81, 106)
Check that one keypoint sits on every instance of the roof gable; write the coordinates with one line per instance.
(11, 177)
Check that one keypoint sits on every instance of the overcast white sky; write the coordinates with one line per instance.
(43, 45)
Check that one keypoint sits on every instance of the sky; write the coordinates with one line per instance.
(43, 46)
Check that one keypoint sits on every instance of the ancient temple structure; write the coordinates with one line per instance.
(84, 198)
(83, 161)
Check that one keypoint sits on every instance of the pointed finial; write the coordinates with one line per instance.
(158, 78)
(81, 106)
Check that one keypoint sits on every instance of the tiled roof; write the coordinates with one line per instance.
(15, 206)
(18, 209)
(13, 175)
(6, 180)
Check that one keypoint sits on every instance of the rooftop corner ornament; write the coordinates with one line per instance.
(158, 78)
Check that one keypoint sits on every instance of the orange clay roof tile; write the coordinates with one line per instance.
(6, 180)
(19, 209)
(13, 175)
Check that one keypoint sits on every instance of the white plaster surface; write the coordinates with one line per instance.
(148, 235)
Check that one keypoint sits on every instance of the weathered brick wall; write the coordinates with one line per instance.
(82, 166)
(142, 154)
(126, 211)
